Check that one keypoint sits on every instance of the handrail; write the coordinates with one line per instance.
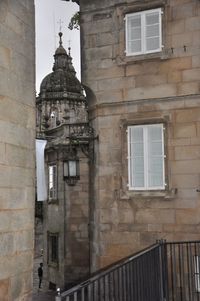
(163, 271)
(109, 269)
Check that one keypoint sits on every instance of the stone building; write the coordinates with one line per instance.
(62, 119)
(17, 148)
(141, 70)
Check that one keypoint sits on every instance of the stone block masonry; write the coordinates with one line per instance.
(17, 148)
(142, 89)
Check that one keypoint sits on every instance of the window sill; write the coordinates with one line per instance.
(53, 201)
(150, 194)
(132, 59)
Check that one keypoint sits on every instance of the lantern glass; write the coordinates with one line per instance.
(72, 164)
(71, 169)
(65, 169)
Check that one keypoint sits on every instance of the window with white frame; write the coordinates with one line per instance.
(52, 182)
(146, 157)
(144, 32)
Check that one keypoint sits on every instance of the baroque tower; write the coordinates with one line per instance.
(62, 119)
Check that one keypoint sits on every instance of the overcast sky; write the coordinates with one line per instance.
(48, 16)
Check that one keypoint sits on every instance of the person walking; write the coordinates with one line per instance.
(40, 274)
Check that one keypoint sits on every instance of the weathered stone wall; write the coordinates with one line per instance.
(124, 90)
(77, 235)
(17, 148)
(68, 216)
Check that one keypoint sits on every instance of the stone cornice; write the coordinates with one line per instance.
(191, 100)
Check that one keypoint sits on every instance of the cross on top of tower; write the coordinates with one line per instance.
(60, 22)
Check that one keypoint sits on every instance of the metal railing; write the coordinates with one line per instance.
(183, 264)
(162, 272)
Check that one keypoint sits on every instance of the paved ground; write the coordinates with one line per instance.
(43, 295)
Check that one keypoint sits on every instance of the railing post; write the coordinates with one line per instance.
(58, 297)
(163, 269)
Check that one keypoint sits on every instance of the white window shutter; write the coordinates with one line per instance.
(52, 181)
(153, 31)
(134, 34)
(144, 32)
(146, 157)
(155, 156)
(136, 155)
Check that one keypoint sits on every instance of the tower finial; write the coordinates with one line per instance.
(69, 47)
(60, 31)
(60, 35)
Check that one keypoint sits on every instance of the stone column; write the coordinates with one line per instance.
(17, 148)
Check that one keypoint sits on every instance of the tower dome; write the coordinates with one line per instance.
(61, 100)
(63, 78)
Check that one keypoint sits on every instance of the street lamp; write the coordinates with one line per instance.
(71, 171)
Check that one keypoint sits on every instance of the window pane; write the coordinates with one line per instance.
(155, 156)
(152, 31)
(152, 44)
(137, 157)
(155, 132)
(134, 34)
(52, 181)
(134, 46)
(146, 157)
(72, 168)
(155, 165)
(138, 180)
(138, 164)
(50, 177)
(134, 29)
(135, 21)
(155, 180)
(155, 149)
(137, 172)
(137, 134)
(54, 177)
(137, 149)
(152, 18)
